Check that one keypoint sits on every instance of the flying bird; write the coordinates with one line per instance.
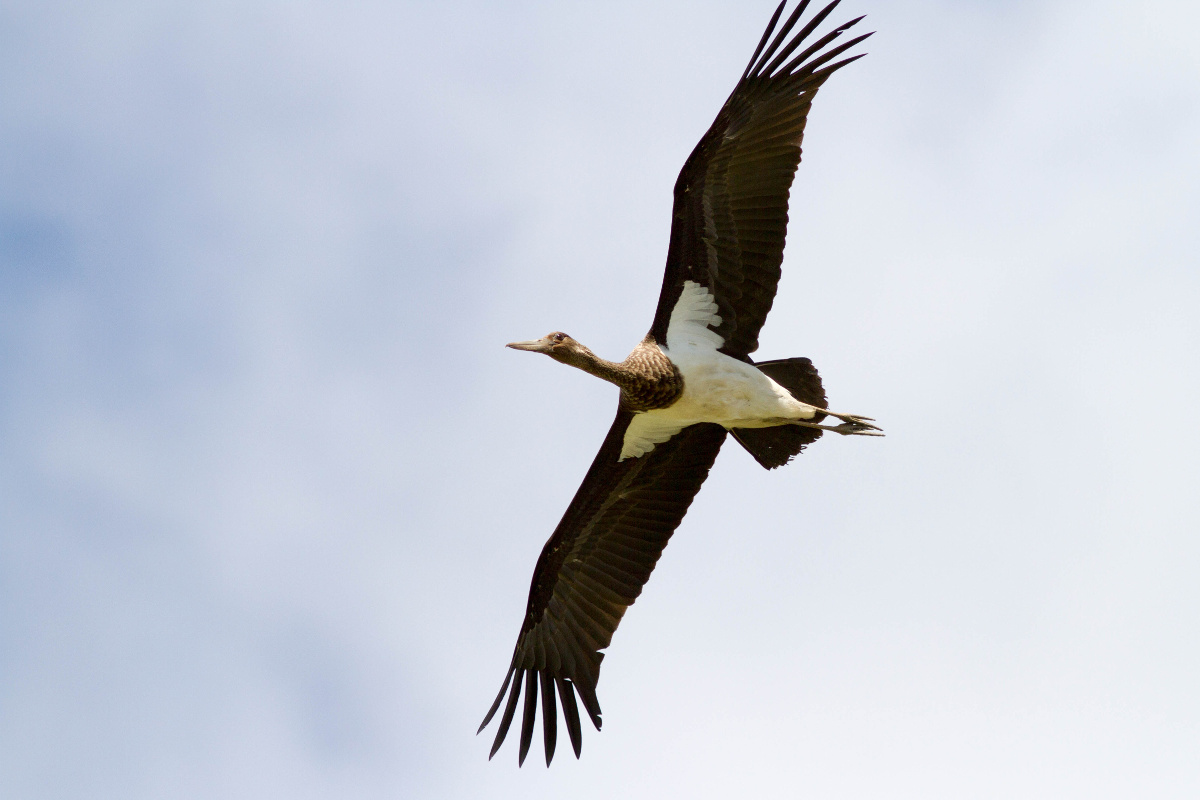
(687, 384)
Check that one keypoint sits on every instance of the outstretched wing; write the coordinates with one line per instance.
(731, 199)
(592, 569)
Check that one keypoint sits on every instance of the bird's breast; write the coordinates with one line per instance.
(650, 380)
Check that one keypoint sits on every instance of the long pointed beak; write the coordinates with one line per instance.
(533, 345)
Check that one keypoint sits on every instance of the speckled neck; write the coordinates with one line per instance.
(647, 378)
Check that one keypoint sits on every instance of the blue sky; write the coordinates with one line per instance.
(271, 489)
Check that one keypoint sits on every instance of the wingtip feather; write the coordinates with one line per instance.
(496, 703)
(763, 41)
(778, 40)
(549, 717)
(509, 709)
(529, 715)
(590, 704)
(566, 695)
(813, 67)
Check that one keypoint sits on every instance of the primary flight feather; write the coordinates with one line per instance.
(685, 386)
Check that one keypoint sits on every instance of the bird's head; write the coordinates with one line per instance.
(558, 346)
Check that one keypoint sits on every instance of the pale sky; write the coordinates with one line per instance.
(271, 489)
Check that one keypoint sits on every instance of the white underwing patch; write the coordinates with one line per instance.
(693, 319)
(645, 431)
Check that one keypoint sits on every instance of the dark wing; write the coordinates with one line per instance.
(592, 569)
(731, 199)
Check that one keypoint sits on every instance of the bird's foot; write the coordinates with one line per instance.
(852, 424)
(856, 428)
(855, 424)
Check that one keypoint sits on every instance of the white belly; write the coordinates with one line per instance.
(732, 393)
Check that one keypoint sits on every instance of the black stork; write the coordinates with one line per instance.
(685, 386)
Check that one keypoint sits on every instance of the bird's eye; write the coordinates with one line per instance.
(558, 337)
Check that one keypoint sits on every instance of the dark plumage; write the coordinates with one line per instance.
(727, 236)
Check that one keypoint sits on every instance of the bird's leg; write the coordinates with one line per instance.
(853, 426)
(849, 417)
